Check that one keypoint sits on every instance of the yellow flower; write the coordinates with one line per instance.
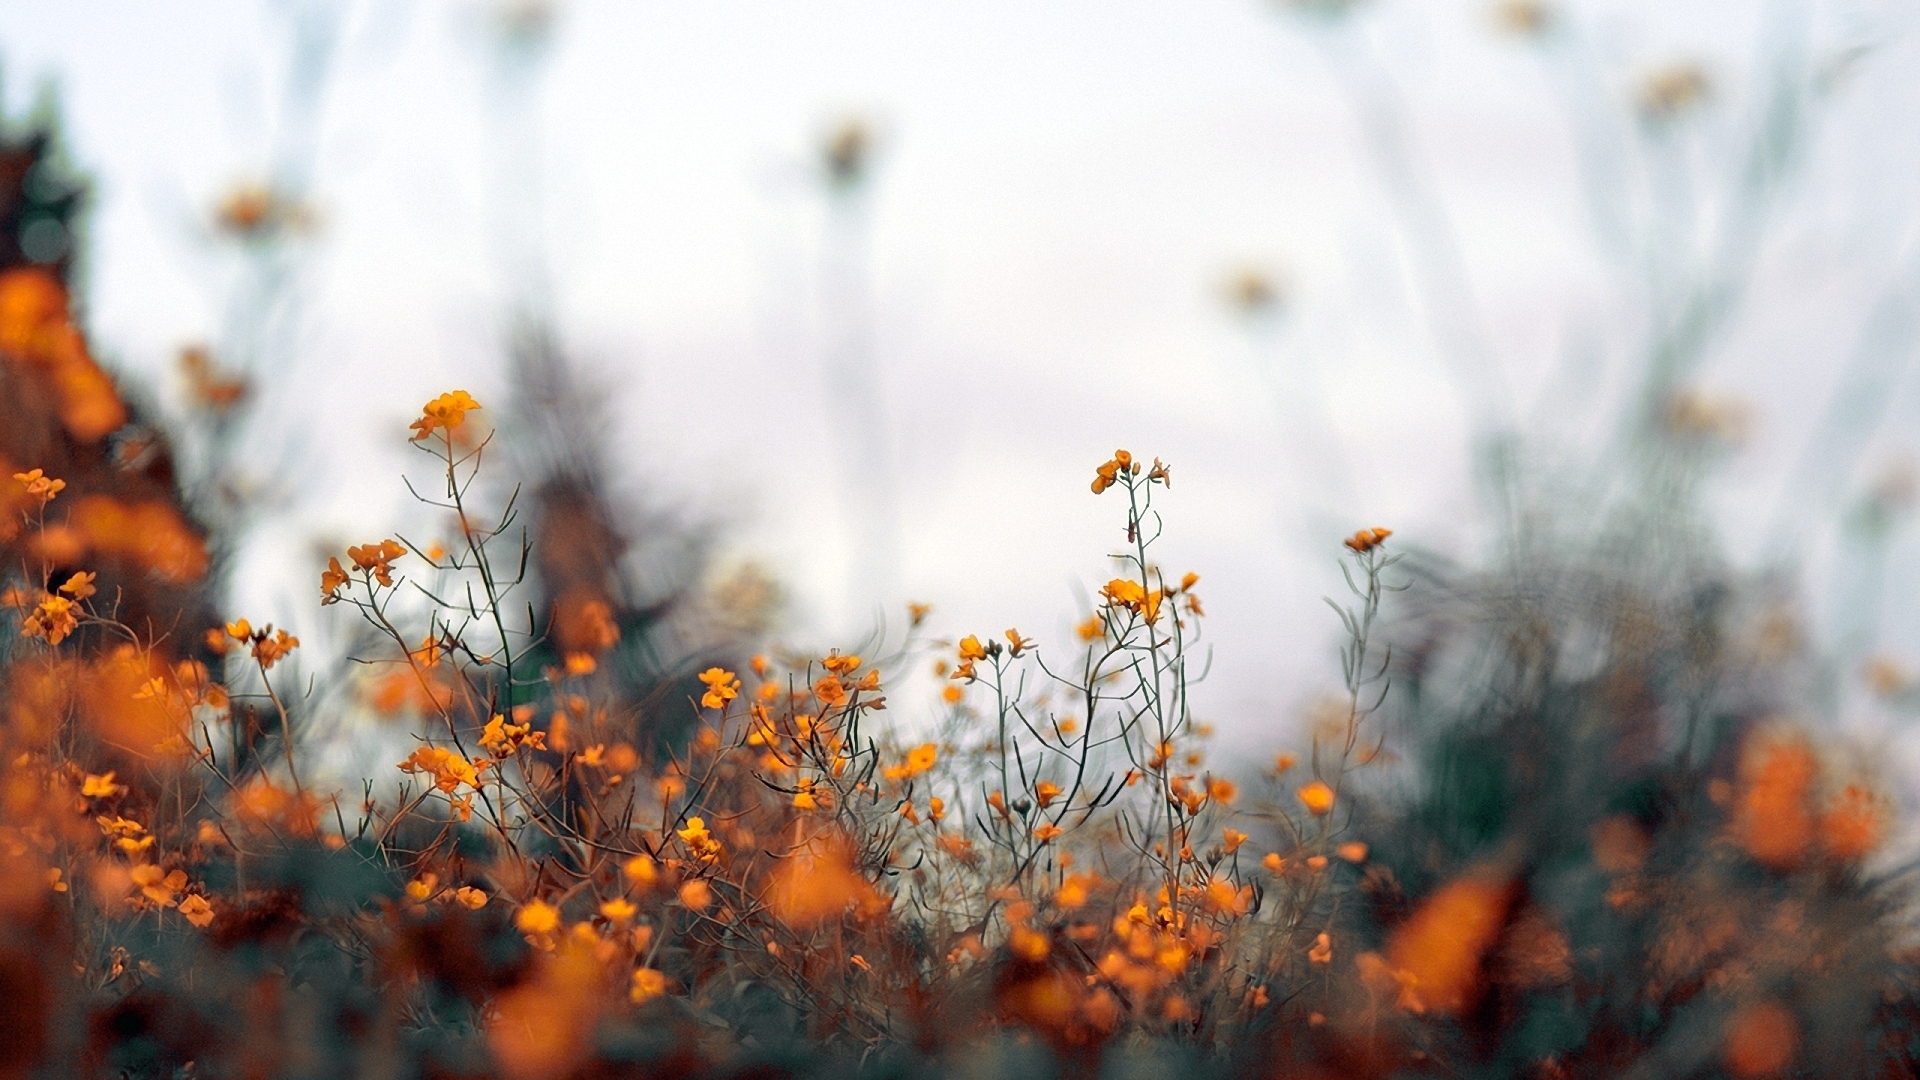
(618, 910)
(1121, 592)
(970, 648)
(53, 620)
(538, 917)
(722, 686)
(700, 842)
(470, 898)
(79, 586)
(1317, 797)
(448, 411)
(40, 485)
(422, 887)
(919, 760)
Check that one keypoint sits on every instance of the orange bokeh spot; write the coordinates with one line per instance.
(1774, 822)
(1442, 945)
(1761, 1040)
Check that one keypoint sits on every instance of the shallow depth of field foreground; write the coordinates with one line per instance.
(1593, 784)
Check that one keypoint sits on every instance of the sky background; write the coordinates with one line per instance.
(1061, 191)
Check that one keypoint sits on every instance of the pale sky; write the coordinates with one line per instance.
(1061, 190)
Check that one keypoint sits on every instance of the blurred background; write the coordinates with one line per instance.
(853, 297)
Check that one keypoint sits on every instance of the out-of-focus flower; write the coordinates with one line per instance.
(1322, 951)
(536, 918)
(1317, 797)
(1761, 1040)
(1670, 91)
(211, 389)
(101, 787)
(1523, 18)
(847, 152)
(1253, 291)
(918, 760)
(1367, 539)
(647, 985)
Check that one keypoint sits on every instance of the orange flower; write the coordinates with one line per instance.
(1016, 643)
(40, 485)
(79, 586)
(840, 665)
(1047, 832)
(377, 558)
(831, 691)
(53, 620)
(1121, 592)
(100, 787)
(1045, 792)
(699, 841)
(470, 898)
(447, 411)
(696, 895)
(331, 579)
(197, 910)
(641, 871)
(1233, 838)
(538, 917)
(1353, 852)
(919, 760)
(647, 985)
(1367, 539)
(1322, 951)
(448, 769)
(618, 910)
(1317, 797)
(970, 648)
(722, 686)
(269, 650)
